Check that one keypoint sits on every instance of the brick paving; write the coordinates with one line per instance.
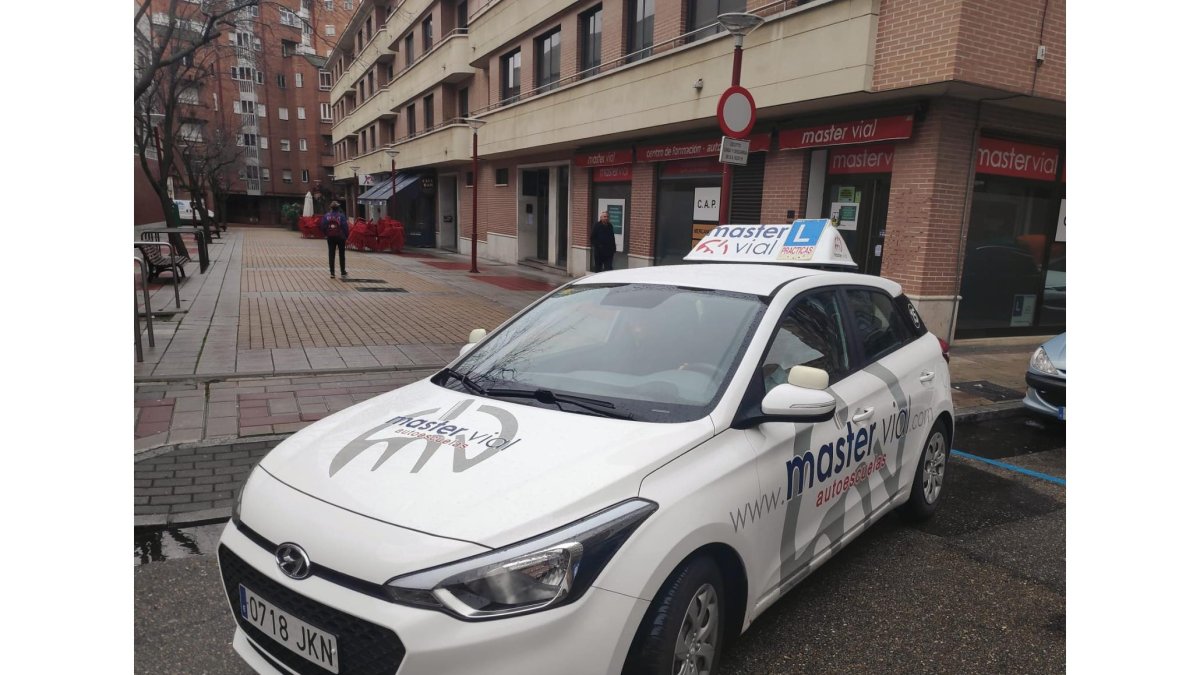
(266, 343)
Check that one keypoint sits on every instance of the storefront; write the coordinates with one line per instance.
(850, 177)
(688, 192)
(407, 197)
(611, 192)
(1014, 265)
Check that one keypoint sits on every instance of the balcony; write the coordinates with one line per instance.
(448, 143)
(802, 54)
(445, 63)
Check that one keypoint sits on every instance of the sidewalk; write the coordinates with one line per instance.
(267, 343)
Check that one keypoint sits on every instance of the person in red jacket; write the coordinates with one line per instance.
(337, 230)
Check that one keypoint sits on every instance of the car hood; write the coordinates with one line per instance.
(1056, 349)
(474, 468)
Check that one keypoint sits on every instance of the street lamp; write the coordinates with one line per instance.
(354, 193)
(474, 123)
(392, 152)
(739, 25)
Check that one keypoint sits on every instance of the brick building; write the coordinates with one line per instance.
(932, 130)
(271, 91)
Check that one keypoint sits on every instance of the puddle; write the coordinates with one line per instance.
(156, 544)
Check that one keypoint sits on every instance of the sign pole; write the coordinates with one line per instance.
(727, 170)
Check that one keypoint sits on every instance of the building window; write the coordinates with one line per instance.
(326, 113)
(462, 14)
(283, 113)
(262, 110)
(289, 47)
(589, 42)
(408, 49)
(548, 52)
(300, 113)
(285, 145)
(470, 179)
(330, 31)
(299, 80)
(428, 112)
(328, 5)
(304, 175)
(281, 81)
(702, 13)
(464, 102)
(249, 140)
(286, 175)
(288, 18)
(264, 142)
(510, 75)
(501, 177)
(258, 77)
(427, 34)
(303, 145)
(410, 115)
(641, 28)
(324, 80)
(247, 107)
(348, 4)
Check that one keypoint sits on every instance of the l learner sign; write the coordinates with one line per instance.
(811, 242)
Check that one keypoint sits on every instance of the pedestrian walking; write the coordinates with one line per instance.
(337, 230)
(604, 244)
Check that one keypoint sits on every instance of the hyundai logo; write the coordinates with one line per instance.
(293, 561)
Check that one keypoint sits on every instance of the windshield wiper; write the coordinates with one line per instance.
(467, 382)
(595, 406)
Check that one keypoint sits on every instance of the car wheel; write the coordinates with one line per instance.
(931, 474)
(682, 631)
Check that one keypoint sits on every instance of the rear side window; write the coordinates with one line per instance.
(908, 312)
(810, 334)
(879, 325)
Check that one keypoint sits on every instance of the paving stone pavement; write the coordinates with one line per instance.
(265, 344)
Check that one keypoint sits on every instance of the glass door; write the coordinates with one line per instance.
(858, 204)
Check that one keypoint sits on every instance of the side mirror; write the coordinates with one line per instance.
(802, 399)
(472, 340)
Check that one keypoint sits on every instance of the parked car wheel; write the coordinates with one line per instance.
(682, 631)
(931, 474)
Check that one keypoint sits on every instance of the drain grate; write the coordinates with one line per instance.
(990, 391)
(363, 281)
(381, 289)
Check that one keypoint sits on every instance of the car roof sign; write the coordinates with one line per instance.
(809, 243)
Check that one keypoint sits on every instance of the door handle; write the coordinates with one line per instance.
(863, 414)
(927, 376)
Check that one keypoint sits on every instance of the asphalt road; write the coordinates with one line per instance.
(981, 588)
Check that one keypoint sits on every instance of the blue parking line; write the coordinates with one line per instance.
(1011, 467)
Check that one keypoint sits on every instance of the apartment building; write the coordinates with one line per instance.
(931, 131)
(269, 89)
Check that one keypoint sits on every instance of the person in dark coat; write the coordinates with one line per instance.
(604, 244)
(337, 230)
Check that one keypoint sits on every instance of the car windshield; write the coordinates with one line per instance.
(646, 352)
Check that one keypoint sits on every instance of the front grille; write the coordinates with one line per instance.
(1055, 397)
(363, 647)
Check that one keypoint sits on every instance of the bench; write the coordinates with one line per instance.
(157, 262)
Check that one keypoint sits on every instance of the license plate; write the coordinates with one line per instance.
(1062, 413)
(312, 643)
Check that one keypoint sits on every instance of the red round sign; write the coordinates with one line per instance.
(736, 112)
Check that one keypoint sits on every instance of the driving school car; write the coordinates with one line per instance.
(620, 478)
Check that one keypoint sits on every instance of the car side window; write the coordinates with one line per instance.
(809, 334)
(878, 324)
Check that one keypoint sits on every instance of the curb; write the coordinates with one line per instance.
(218, 515)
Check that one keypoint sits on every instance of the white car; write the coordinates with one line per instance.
(185, 210)
(619, 479)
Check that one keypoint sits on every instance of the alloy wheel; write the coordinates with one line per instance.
(696, 644)
(935, 467)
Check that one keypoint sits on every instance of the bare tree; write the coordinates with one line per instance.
(182, 36)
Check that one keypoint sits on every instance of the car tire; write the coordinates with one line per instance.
(929, 481)
(686, 612)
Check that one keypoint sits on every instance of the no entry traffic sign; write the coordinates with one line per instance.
(736, 112)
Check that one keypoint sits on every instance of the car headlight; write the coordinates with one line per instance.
(237, 501)
(546, 571)
(1041, 363)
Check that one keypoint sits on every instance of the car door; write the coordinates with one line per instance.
(901, 371)
(804, 469)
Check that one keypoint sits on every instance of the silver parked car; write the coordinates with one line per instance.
(1047, 379)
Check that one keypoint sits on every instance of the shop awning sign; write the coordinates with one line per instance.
(803, 242)
(1019, 160)
(853, 132)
